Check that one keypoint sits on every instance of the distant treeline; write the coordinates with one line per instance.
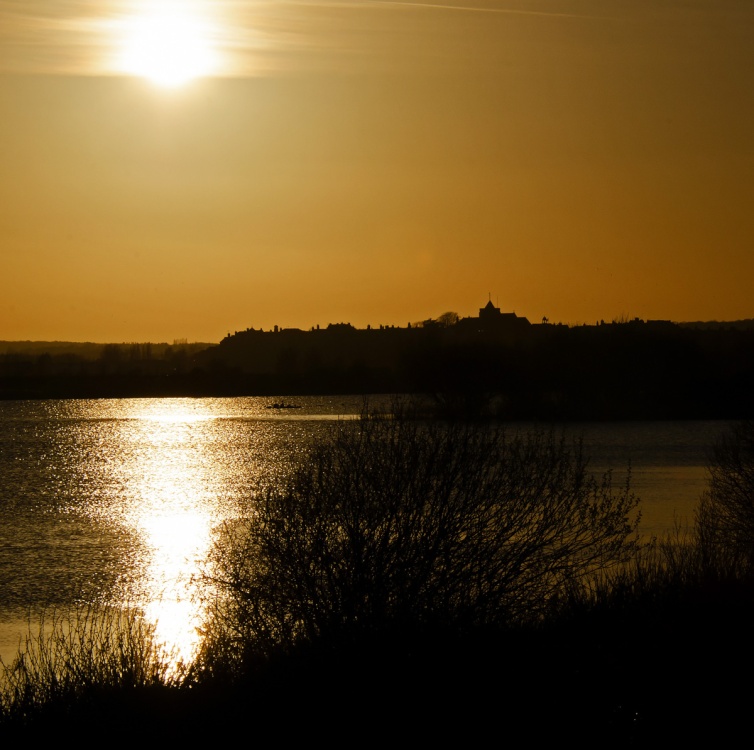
(717, 325)
(514, 370)
(58, 369)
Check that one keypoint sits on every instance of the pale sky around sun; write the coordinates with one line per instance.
(187, 169)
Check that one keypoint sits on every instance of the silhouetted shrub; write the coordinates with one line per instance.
(725, 516)
(394, 525)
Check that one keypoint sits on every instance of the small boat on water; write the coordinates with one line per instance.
(282, 405)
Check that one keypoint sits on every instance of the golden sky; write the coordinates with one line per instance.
(188, 169)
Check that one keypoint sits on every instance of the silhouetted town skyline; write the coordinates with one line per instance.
(491, 318)
(495, 364)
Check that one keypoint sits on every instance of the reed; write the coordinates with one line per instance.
(70, 658)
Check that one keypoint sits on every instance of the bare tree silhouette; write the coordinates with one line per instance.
(394, 524)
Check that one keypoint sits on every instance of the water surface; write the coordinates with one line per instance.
(116, 501)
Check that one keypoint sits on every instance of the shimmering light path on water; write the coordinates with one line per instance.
(117, 501)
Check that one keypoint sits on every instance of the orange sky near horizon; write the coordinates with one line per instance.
(372, 162)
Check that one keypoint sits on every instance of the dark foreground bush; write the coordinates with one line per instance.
(391, 525)
(725, 516)
(662, 645)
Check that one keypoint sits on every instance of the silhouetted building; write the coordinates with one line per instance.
(494, 323)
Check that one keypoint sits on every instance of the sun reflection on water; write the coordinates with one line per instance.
(170, 475)
(177, 543)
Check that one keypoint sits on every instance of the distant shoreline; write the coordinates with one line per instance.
(494, 366)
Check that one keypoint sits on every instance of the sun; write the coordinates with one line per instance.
(167, 45)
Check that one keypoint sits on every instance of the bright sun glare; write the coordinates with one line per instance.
(168, 45)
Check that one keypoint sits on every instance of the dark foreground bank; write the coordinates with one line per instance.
(430, 583)
(630, 675)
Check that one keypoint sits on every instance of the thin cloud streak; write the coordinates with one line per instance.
(469, 9)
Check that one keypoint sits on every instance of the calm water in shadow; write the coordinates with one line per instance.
(115, 501)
